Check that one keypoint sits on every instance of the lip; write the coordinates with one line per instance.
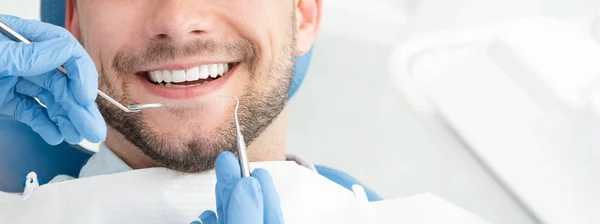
(188, 92)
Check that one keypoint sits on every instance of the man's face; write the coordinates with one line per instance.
(184, 54)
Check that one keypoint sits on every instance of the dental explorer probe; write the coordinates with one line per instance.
(10, 33)
(240, 142)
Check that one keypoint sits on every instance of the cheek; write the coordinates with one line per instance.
(104, 34)
(266, 22)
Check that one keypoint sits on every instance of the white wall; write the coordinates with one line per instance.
(348, 116)
(435, 15)
(17, 8)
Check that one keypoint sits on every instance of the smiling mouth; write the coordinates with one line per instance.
(192, 77)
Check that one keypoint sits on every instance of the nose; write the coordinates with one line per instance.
(178, 21)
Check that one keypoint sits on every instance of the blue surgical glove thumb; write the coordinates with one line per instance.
(246, 203)
(207, 217)
(272, 205)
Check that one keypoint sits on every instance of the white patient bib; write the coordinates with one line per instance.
(160, 195)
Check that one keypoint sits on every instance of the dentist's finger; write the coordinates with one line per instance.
(228, 174)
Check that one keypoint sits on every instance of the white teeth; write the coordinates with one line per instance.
(167, 76)
(204, 71)
(171, 85)
(192, 74)
(213, 70)
(178, 86)
(179, 76)
(221, 69)
(156, 76)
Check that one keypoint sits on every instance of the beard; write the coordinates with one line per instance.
(259, 105)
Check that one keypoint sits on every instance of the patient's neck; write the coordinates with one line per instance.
(268, 146)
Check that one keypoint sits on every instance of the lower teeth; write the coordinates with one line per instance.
(173, 85)
(177, 86)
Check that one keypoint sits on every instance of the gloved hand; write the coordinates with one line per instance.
(28, 71)
(251, 200)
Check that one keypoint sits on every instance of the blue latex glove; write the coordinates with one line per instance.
(28, 71)
(251, 200)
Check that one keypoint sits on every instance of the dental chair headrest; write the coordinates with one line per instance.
(53, 11)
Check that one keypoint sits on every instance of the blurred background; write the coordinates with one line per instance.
(493, 105)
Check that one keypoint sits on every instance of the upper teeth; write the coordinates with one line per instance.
(192, 74)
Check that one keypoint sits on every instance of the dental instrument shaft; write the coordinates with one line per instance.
(103, 95)
(9, 32)
(240, 142)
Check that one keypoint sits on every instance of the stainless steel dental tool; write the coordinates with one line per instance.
(240, 142)
(10, 33)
